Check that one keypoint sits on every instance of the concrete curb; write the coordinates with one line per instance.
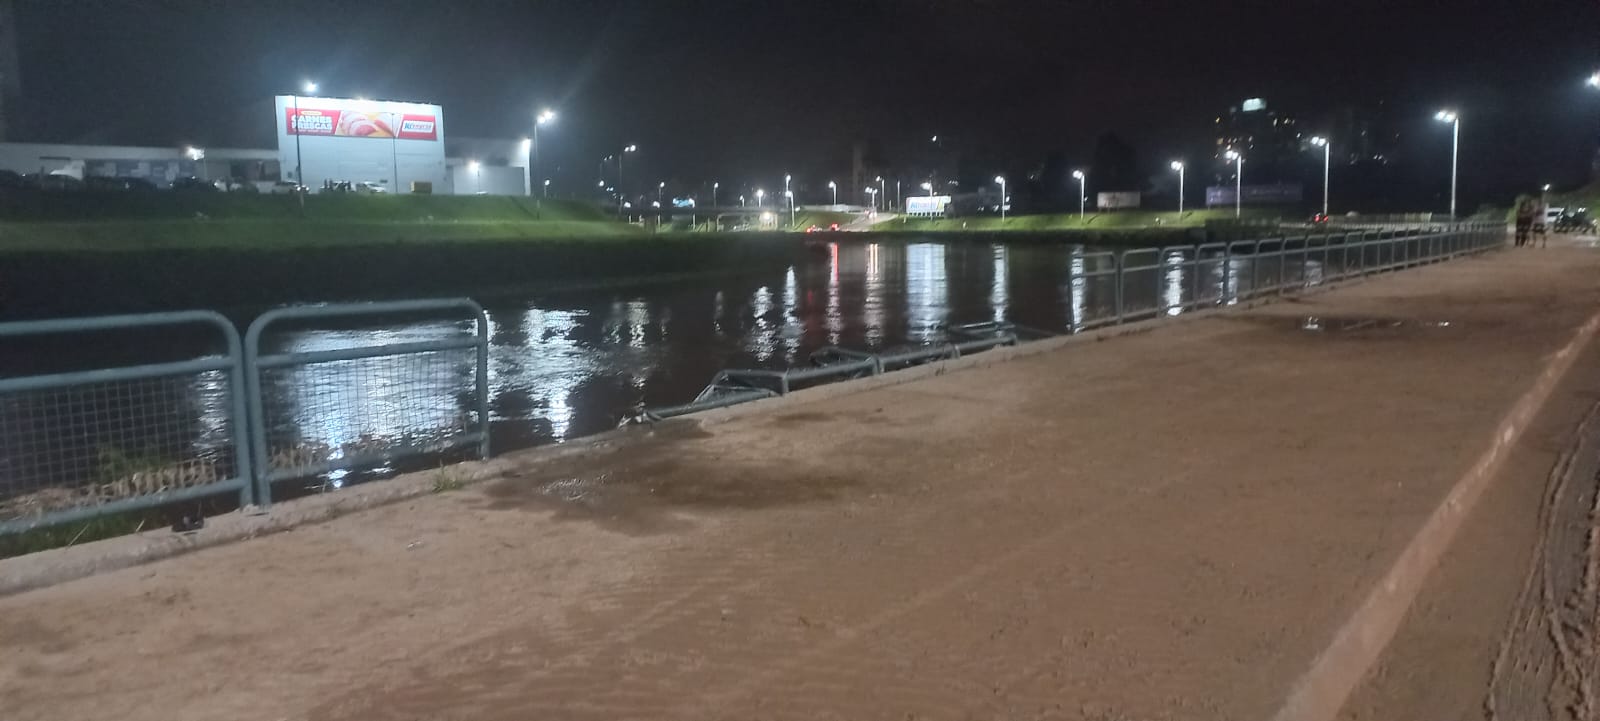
(50, 567)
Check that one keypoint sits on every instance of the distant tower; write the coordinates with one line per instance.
(10, 68)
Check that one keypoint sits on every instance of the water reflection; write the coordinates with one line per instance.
(570, 364)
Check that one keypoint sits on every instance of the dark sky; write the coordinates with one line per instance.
(739, 90)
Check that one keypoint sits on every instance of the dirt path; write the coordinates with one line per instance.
(1163, 526)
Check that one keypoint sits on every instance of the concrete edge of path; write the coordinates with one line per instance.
(59, 565)
(1321, 692)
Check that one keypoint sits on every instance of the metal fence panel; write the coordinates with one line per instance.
(325, 400)
(83, 443)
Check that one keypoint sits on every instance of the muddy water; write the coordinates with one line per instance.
(570, 363)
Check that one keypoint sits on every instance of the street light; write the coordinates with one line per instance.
(1001, 179)
(541, 118)
(661, 187)
(759, 195)
(546, 187)
(741, 201)
(1238, 182)
(835, 188)
(790, 195)
(1178, 166)
(1082, 193)
(294, 126)
(714, 194)
(1327, 148)
(872, 195)
(477, 177)
(1450, 116)
(628, 149)
(883, 189)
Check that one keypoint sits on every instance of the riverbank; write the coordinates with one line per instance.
(980, 542)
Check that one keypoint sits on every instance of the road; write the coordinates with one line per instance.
(1167, 525)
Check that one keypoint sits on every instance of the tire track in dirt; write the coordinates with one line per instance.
(1546, 664)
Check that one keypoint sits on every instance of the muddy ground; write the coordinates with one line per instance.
(1169, 525)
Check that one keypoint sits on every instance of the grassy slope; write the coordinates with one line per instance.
(126, 221)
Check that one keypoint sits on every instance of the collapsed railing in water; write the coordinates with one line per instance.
(832, 363)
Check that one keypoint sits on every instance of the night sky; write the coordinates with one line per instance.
(742, 90)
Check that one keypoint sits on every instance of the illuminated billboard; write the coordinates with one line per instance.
(396, 146)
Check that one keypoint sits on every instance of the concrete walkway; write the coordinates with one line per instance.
(1171, 525)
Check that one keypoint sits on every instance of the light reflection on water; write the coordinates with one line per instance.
(570, 364)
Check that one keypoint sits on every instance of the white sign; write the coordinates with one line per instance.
(926, 205)
(394, 145)
(1115, 201)
(1253, 104)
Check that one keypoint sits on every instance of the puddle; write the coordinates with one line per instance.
(634, 487)
(1321, 324)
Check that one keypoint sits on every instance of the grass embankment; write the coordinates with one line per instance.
(1123, 220)
(157, 221)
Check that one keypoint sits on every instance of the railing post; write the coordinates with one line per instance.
(1121, 260)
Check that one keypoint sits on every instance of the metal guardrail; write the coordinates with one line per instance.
(1359, 253)
(78, 444)
(376, 396)
(832, 363)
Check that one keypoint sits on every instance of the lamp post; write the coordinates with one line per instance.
(661, 187)
(714, 194)
(1238, 182)
(1178, 166)
(872, 196)
(630, 148)
(546, 187)
(790, 195)
(883, 190)
(835, 188)
(1083, 193)
(540, 118)
(294, 126)
(1322, 142)
(477, 177)
(759, 195)
(1001, 179)
(899, 202)
(1450, 116)
(741, 201)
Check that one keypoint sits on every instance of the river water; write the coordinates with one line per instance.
(571, 363)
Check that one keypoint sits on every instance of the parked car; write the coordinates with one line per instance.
(367, 187)
(287, 187)
(191, 184)
(53, 182)
(118, 185)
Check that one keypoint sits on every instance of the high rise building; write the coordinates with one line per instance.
(1269, 140)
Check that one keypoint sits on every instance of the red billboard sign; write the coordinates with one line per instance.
(361, 124)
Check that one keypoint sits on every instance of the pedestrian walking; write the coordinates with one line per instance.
(1524, 221)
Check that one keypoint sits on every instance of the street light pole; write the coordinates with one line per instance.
(1001, 179)
(1327, 149)
(1083, 193)
(790, 195)
(835, 188)
(1178, 166)
(1238, 183)
(1450, 116)
(714, 194)
(542, 117)
(546, 187)
(299, 168)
